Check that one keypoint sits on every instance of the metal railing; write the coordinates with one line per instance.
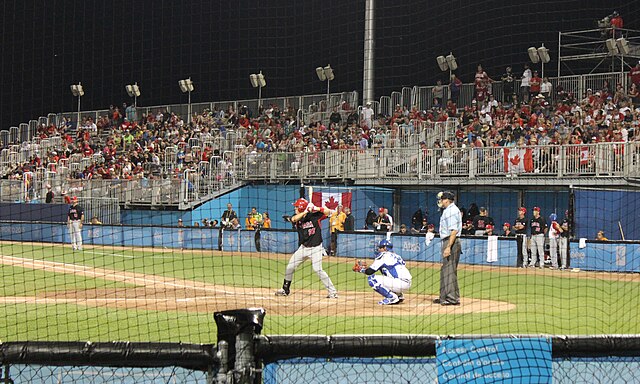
(596, 160)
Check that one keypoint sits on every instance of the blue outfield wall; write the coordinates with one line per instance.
(597, 256)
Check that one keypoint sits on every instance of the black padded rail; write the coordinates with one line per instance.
(120, 354)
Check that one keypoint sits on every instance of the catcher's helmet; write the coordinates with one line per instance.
(385, 243)
(301, 204)
(553, 217)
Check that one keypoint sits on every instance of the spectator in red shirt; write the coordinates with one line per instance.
(534, 83)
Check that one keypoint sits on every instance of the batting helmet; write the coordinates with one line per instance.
(301, 204)
(553, 217)
(386, 244)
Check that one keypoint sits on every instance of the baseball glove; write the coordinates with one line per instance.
(359, 266)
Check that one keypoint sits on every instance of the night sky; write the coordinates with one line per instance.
(48, 45)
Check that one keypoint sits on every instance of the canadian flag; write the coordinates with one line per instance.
(584, 155)
(518, 160)
(331, 200)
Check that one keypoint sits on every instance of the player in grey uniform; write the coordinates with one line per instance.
(538, 230)
(307, 222)
(75, 217)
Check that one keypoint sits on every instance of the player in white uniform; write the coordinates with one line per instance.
(395, 279)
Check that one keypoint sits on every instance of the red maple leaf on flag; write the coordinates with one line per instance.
(331, 203)
(515, 160)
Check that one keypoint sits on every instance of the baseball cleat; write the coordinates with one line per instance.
(282, 292)
(333, 295)
(388, 301)
(400, 297)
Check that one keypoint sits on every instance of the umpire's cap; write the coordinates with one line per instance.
(447, 195)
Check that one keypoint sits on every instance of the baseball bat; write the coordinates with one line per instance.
(621, 232)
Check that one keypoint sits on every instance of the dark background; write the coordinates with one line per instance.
(47, 45)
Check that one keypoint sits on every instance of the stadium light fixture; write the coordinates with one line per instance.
(258, 81)
(133, 91)
(447, 63)
(539, 55)
(186, 86)
(78, 91)
(326, 74)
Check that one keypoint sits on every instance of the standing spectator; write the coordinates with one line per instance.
(634, 75)
(546, 88)
(481, 221)
(336, 224)
(75, 217)
(508, 85)
(438, 92)
(538, 230)
(525, 83)
(554, 236)
(50, 195)
(520, 225)
(350, 221)
(454, 88)
(307, 222)
(366, 116)
(534, 85)
(450, 228)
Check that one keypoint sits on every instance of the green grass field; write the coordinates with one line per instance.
(549, 302)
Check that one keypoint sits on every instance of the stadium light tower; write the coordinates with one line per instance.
(539, 55)
(77, 90)
(258, 81)
(326, 74)
(186, 85)
(133, 91)
(447, 63)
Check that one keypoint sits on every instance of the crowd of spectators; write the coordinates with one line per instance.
(125, 144)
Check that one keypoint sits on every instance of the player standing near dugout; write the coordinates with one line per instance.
(395, 279)
(75, 217)
(307, 223)
(520, 225)
(538, 229)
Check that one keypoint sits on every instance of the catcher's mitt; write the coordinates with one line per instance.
(359, 266)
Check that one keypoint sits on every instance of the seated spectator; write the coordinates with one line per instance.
(600, 236)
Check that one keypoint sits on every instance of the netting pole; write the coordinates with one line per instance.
(237, 330)
(5, 379)
(369, 52)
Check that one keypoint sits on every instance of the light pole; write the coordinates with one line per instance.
(186, 85)
(539, 55)
(447, 63)
(258, 81)
(77, 90)
(326, 74)
(133, 91)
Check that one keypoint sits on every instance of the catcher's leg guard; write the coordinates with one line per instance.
(375, 284)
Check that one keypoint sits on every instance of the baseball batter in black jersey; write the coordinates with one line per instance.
(307, 222)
